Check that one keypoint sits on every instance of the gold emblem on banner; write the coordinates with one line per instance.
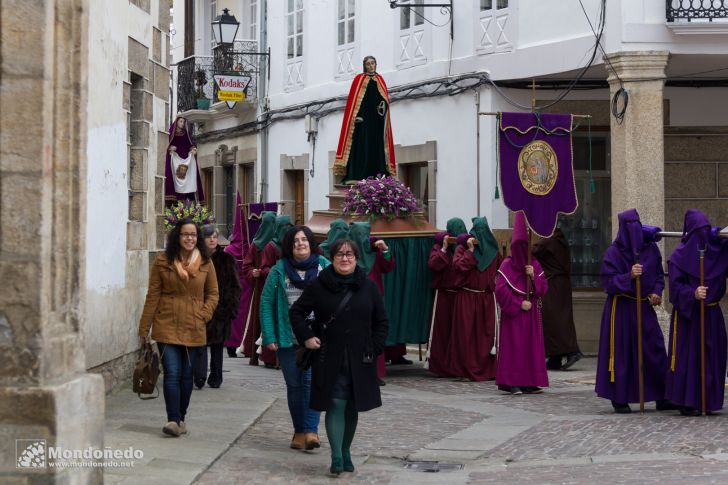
(538, 167)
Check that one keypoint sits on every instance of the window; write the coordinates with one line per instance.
(589, 229)
(488, 4)
(253, 23)
(409, 16)
(208, 25)
(294, 28)
(345, 22)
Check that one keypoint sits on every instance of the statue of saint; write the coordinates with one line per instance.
(365, 144)
(181, 172)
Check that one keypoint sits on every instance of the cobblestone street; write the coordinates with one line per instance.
(566, 435)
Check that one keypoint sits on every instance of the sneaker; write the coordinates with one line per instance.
(172, 429)
(572, 359)
(620, 408)
(298, 441)
(182, 427)
(516, 391)
(231, 351)
(312, 441)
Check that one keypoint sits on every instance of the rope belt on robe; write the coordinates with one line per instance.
(611, 331)
(474, 291)
(674, 334)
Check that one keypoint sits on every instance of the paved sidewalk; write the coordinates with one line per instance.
(240, 434)
(216, 419)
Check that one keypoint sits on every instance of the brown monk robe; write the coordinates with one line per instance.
(557, 312)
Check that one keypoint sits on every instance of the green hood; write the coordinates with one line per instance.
(359, 233)
(339, 229)
(266, 231)
(283, 224)
(487, 247)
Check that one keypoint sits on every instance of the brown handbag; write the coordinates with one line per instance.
(146, 372)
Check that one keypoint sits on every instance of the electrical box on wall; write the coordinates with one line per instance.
(310, 124)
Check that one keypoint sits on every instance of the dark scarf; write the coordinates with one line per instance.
(309, 265)
(336, 283)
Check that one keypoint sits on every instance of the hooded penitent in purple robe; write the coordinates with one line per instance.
(683, 376)
(521, 355)
(617, 367)
(181, 139)
(238, 248)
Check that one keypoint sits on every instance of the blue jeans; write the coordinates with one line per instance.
(298, 385)
(177, 363)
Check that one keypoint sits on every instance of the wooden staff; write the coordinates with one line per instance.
(432, 328)
(638, 284)
(528, 262)
(702, 335)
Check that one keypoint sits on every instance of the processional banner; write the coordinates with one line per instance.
(536, 171)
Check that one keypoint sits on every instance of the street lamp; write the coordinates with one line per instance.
(225, 27)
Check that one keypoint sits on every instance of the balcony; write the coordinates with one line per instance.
(697, 16)
(195, 74)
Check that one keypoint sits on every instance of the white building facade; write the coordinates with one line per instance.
(660, 158)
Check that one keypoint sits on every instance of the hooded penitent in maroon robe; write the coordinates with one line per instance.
(181, 139)
(617, 367)
(246, 327)
(446, 281)
(238, 249)
(521, 357)
(559, 332)
(473, 316)
(683, 377)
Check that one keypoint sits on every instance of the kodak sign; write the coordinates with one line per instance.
(231, 88)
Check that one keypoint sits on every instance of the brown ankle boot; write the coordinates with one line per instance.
(312, 441)
(298, 441)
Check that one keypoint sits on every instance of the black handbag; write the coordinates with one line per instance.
(304, 356)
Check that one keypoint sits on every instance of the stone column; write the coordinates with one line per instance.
(45, 393)
(637, 144)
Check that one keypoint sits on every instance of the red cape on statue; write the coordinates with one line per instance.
(356, 94)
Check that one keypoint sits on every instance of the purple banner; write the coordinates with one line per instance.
(536, 172)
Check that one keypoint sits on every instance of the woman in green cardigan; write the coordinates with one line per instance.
(298, 268)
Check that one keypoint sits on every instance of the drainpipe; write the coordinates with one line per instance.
(477, 151)
(263, 103)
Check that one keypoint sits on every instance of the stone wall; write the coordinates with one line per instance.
(44, 391)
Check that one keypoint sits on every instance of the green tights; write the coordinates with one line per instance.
(341, 420)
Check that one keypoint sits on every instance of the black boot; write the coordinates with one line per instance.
(572, 359)
(554, 362)
(620, 408)
(689, 411)
(665, 405)
(231, 352)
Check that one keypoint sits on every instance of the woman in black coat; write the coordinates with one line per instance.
(344, 374)
(218, 328)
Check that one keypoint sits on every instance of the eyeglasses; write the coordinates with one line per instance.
(344, 256)
(188, 234)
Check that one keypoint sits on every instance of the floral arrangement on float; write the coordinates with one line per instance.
(187, 209)
(381, 196)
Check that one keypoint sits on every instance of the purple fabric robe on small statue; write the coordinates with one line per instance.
(683, 376)
(181, 139)
(521, 354)
(617, 369)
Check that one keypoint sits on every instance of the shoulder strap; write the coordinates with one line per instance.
(343, 303)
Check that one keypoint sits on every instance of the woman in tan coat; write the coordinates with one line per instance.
(181, 298)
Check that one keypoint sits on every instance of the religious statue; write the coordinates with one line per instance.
(365, 144)
(181, 172)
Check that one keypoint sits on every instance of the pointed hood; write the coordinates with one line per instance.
(359, 233)
(630, 238)
(238, 246)
(338, 229)
(283, 224)
(699, 234)
(513, 268)
(487, 248)
(266, 231)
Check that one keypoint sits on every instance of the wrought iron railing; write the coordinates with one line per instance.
(195, 74)
(703, 10)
